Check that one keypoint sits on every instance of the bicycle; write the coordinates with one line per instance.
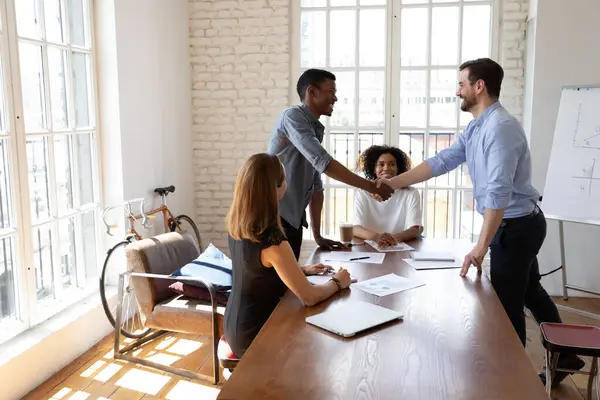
(171, 223)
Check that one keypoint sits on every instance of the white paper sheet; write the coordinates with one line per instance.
(433, 256)
(321, 279)
(398, 247)
(421, 265)
(387, 284)
(354, 257)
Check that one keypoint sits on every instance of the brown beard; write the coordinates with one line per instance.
(465, 104)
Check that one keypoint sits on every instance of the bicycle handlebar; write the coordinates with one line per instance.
(127, 208)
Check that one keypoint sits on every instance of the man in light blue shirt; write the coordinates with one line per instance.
(496, 151)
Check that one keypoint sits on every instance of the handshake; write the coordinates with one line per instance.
(382, 189)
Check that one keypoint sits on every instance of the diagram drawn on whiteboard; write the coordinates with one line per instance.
(586, 176)
(586, 139)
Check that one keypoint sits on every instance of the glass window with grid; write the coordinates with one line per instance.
(397, 71)
(49, 168)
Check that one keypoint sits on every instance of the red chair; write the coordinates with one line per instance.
(227, 360)
(581, 340)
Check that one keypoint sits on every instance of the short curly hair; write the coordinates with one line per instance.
(368, 159)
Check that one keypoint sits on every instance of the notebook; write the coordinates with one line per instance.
(353, 317)
(432, 256)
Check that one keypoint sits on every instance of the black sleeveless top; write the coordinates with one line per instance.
(255, 291)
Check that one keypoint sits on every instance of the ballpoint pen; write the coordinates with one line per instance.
(359, 258)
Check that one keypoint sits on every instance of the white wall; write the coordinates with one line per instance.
(565, 52)
(143, 68)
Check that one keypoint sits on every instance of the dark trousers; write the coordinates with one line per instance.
(294, 237)
(515, 272)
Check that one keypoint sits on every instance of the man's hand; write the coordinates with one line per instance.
(386, 240)
(475, 257)
(317, 269)
(328, 244)
(384, 190)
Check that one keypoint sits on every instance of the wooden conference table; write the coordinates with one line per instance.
(455, 342)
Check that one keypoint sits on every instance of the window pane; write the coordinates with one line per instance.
(313, 39)
(78, 22)
(313, 3)
(437, 142)
(366, 140)
(372, 2)
(443, 99)
(476, 32)
(54, 21)
(341, 209)
(444, 32)
(338, 3)
(57, 61)
(68, 263)
(64, 174)
(412, 144)
(342, 38)
(39, 177)
(85, 158)
(372, 38)
(8, 290)
(6, 220)
(4, 126)
(413, 36)
(29, 18)
(414, 1)
(81, 90)
(439, 214)
(342, 148)
(344, 114)
(468, 219)
(89, 254)
(32, 81)
(413, 98)
(44, 265)
(371, 100)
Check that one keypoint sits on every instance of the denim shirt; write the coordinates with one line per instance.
(296, 140)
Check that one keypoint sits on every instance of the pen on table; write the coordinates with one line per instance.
(359, 258)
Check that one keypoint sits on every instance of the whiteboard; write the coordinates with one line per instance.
(572, 191)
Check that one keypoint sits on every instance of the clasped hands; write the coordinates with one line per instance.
(383, 189)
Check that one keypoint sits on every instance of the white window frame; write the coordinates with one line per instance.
(30, 311)
(392, 128)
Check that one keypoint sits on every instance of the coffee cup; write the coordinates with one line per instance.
(346, 229)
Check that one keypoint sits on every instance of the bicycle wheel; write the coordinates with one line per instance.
(186, 226)
(132, 325)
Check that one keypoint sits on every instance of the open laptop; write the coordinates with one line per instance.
(353, 317)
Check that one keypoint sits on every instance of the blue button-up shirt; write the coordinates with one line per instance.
(497, 154)
(296, 139)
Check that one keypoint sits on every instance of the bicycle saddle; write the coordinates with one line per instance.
(163, 191)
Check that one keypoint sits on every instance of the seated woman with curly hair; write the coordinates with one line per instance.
(397, 219)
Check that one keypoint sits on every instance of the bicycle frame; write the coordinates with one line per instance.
(131, 218)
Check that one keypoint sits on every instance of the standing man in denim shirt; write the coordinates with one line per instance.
(296, 139)
(495, 149)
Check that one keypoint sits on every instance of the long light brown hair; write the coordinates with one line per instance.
(255, 204)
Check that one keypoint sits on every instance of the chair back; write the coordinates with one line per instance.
(162, 254)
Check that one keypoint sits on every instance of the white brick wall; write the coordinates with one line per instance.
(240, 79)
(513, 25)
(240, 66)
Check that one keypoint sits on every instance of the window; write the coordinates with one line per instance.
(396, 65)
(48, 155)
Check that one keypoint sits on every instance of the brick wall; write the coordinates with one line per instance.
(240, 65)
(513, 25)
(240, 79)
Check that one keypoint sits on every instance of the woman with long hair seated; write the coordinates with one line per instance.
(397, 219)
(264, 265)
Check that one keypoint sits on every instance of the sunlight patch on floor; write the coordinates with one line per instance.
(143, 381)
(184, 390)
